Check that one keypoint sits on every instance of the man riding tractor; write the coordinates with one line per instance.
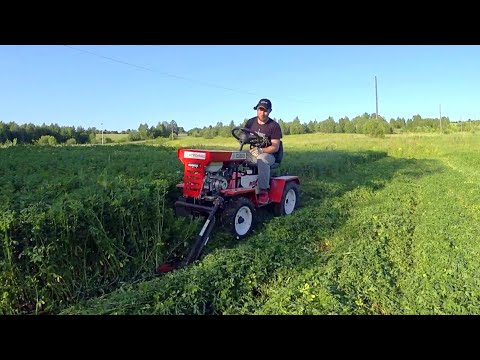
(224, 183)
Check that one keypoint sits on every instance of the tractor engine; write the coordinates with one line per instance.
(215, 179)
(215, 183)
(208, 173)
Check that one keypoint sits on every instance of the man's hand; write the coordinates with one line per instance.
(255, 151)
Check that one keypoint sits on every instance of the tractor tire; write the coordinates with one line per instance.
(239, 217)
(290, 200)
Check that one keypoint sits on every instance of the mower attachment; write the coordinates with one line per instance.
(202, 238)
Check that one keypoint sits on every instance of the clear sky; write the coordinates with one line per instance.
(118, 87)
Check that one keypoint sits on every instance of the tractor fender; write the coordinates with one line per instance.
(277, 185)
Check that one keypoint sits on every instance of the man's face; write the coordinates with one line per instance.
(262, 114)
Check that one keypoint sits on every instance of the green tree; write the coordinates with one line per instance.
(327, 126)
(312, 126)
(285, 127)
(134, 136)
(46, 140)
(296, 127)
(143, 131)
(374, 127)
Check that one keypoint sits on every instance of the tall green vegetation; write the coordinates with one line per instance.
(77, 222)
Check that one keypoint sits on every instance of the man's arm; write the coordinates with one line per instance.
(276, 135)
(272, 149)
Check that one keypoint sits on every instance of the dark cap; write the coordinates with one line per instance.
(264, 103)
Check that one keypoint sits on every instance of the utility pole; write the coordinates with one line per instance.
(440, 108)
(102, 132)
(376, 99)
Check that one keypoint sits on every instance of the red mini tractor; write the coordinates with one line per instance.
(222, 184)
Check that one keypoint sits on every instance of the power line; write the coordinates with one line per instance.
(108, 58)
(172, 75)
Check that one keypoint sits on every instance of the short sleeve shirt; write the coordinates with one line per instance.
(271, 129)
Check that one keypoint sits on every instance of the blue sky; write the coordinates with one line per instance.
(118, 87)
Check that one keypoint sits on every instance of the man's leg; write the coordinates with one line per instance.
(264, 161)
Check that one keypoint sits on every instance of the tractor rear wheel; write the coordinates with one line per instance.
(290, 200)
(239, 217)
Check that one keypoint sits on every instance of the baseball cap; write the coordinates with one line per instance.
(264, 103)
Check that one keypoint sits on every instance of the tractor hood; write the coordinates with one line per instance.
(205, 157)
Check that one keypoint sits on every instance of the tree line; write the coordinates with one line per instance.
(370, 124)
(11, 133)
(30, 133)
(366, 123)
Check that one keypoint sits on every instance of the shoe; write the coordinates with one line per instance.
(263, 197)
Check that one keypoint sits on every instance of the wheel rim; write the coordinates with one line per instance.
(290, 201)
(243, 220)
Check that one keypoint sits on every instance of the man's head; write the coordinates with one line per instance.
(265, 104)
(264, 107)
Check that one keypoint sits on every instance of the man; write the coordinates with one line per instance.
(265, 156)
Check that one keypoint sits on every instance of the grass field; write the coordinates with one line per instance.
(386, 226)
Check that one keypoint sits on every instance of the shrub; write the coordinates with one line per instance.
(46, 140)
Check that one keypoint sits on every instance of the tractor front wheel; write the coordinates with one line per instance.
(239, 217)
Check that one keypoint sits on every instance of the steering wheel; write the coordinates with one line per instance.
(246, 136)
